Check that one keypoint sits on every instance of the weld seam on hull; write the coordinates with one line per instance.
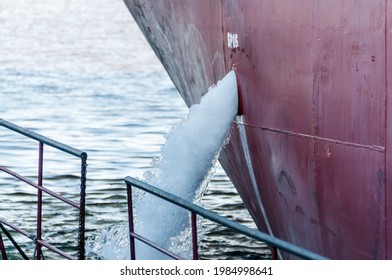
(302, 135)
(386, 132)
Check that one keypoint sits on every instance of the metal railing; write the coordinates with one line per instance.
(37, 238)
(197, 210)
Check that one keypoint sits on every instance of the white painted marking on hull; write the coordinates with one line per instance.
(232, 40)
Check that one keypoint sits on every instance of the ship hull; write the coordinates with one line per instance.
(310, 155)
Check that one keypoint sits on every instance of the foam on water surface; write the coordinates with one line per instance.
(183, 169)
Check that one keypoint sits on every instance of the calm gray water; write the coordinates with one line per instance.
(80, 72)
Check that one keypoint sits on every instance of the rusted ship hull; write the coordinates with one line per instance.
(311, 155)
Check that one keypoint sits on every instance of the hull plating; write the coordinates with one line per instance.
(314, 79)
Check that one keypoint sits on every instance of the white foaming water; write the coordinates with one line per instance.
(184, 169)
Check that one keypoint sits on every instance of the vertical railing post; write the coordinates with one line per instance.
(39, 203)
(194, 236)
(274, 253)
(2, 248)
(82, 208)
(131, 224)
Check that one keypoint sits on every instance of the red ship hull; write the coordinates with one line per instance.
(311, 156)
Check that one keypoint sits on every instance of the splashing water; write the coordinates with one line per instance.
(184, 169)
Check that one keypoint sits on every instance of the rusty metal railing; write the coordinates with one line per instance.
(197, 210)
(37, 238)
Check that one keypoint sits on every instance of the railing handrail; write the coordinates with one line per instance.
(82, 201)
(40, 138)
(253, 233)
